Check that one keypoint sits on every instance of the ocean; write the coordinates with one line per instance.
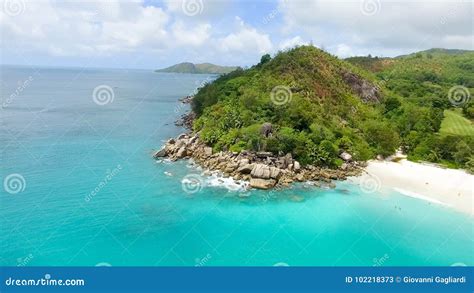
(80, 188)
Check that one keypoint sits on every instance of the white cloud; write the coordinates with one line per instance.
(386, 25)
(343, 50)
(198, 9)
(292, 42)
(96, 29)
(83, 28)
(194, 36)
(117, 28)
(246, 39)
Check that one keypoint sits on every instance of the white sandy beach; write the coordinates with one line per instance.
(453, 188)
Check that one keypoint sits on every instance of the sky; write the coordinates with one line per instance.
(153, 34)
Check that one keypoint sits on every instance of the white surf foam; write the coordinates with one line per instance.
(419, 196)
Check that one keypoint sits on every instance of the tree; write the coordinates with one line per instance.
(391, 103)
(265, 58)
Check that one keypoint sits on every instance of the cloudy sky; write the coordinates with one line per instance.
(158, 33)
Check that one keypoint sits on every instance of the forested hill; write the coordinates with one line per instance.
(203, 68)
(436, 89)
(315, 106)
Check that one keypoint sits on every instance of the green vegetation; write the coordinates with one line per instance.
(434, 89)
(305, 95)
(206, 68)
(319, 106)
(455, 124)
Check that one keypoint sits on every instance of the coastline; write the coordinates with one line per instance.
(262, 170)
(448, 187)
(452, 188)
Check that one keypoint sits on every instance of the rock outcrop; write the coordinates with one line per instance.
(345, 156)
(266, 130)
(262, 183)
(364, 89)
(263, 170)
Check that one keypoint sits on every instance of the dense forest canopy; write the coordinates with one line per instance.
(315, 106)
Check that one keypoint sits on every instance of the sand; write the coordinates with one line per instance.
(448, 187)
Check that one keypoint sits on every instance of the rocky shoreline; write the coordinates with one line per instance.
(263, 170)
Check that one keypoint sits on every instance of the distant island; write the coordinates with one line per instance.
(203, 68)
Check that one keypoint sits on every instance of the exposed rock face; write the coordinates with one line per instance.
(364, 89)
(208, 151)
(296, 166)
(274, 172)
(186, 120)
(345, 156)
(186, 100)
(181, 152)
(159, 154)
(262, 183)
(245, 169)
(266, 129)
(262, 169)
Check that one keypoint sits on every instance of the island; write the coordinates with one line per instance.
(306, 115)
(203, 68)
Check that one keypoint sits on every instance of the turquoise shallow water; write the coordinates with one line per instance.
(64, 145)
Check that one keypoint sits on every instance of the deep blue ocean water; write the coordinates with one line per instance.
(88, 192)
